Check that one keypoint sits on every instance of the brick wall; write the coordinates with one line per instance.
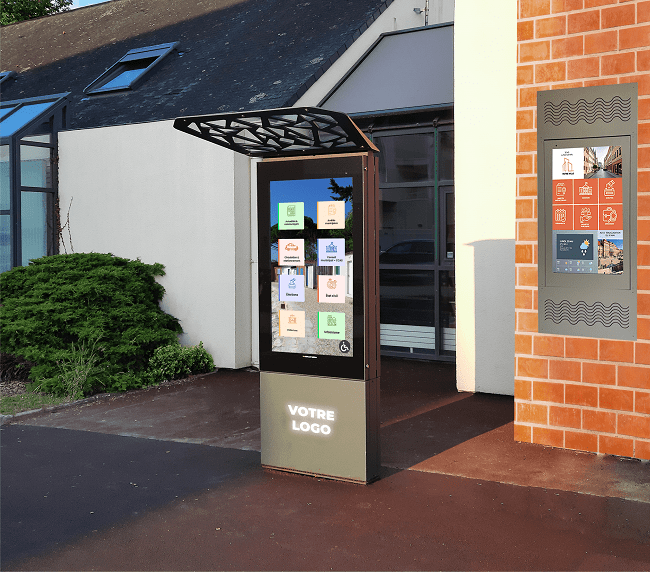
(580, 393)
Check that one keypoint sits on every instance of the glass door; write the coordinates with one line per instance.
(416, 242)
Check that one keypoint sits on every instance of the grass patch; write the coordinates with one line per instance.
(12, 404)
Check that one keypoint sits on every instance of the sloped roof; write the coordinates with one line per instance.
(233, 55)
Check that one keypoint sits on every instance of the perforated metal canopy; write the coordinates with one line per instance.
(284, 132)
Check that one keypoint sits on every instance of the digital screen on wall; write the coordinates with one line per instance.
(311, 253)
(587, 210)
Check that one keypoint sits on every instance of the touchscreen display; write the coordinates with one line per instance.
(587, 210)
(312, 250)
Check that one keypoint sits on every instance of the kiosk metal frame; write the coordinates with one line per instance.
(319, 401)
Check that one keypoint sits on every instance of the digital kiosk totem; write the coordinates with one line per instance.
(587, 151)
(318, 286)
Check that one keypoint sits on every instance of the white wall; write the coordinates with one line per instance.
(151, 192)
(485, 43)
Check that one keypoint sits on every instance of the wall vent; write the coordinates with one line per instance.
(590, 314)
(589, 112)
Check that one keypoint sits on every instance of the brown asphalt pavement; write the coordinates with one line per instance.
(169, 479)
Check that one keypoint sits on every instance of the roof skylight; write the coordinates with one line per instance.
(130, 69)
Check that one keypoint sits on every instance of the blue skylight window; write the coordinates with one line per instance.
(5, 75)
(22, 116)
(129, 70)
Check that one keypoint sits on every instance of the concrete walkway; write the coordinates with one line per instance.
(169, 479)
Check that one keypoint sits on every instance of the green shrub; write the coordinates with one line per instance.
(62, 305)
(174, 361)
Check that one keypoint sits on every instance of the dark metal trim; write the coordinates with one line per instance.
(283, 132)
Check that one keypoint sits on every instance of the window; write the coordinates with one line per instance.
(28, 184)
(125, 73)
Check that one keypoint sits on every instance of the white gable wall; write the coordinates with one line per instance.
(151, 192)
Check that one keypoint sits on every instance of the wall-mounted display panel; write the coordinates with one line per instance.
(587, 211)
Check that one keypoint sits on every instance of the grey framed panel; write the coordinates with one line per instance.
(586, 297)
(320, 426)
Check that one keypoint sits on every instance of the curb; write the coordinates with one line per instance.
(6, 419)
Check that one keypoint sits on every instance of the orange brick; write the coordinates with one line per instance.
(615, 446)
(525, 31)
(643, 61)
(642, 449)
(565, 370)
(527, 276)
(523, 389)
(631, 376)
(617, 64)
(634, 425)
(525, 167)
(565, 416)
(641, 402)
(533, 8)
(643, 279)
(644, 109)
(602, 421)
(642, 353)
(550, 437)
(643, 202)
(601, 42)
(643, 329)
(524, 253)
(547, 27)
(531, 413)
(585, 348)
(553, 72)
(525, 74)
(643, 250)
(523, 344)
(643, 304)
(526, 321)
(643, 226)
(601, 373)
(523, 299)
(565, 5)
(567, 85)
(534, 51)
(583, 21)
(594, 3)
(643, 186)
(581, 441)
(624, 15)
(643, 160)
(601, 81)
(612, 398)
(545, 391)
(523, 433)
(567, 47)
(532, 367)
(636, 37)
(525, 119)
(644, 83)
(528, 188)
(643, 12)
(527, 141)
(527, 231)
(615, 350)
(583, 67)
(581, 395)
(549, 346)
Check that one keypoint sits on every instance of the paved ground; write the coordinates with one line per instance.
(169, 479)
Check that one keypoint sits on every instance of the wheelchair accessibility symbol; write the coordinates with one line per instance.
(344, 346)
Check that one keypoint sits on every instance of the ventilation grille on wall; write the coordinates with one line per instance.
(608, 316)
(589, 112)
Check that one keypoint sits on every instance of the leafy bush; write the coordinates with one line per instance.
(175, 362)
(62, 305)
